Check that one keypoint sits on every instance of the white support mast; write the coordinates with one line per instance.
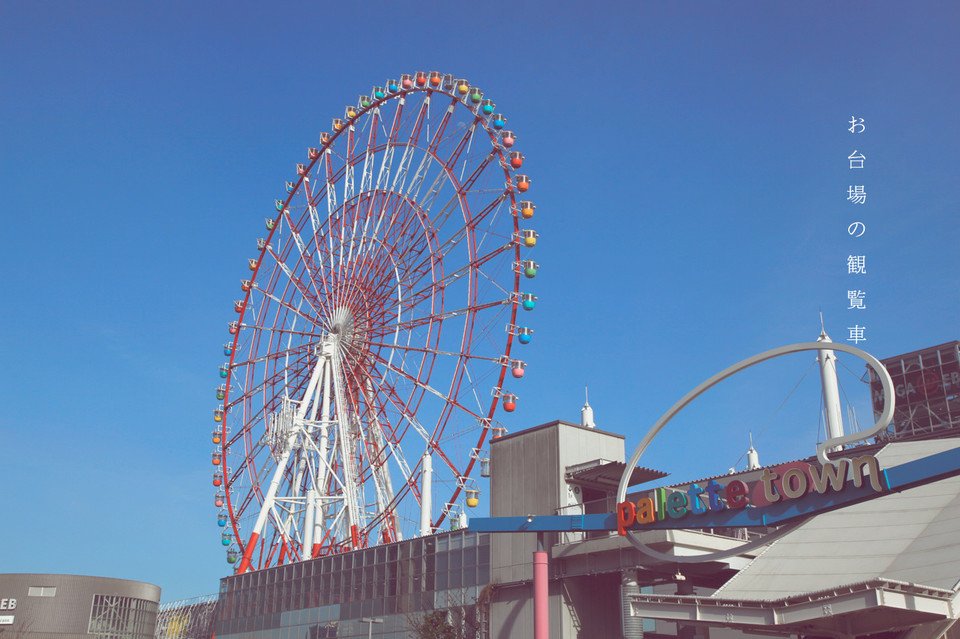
(831, 393)
(326, 418)
(347, 440)
(286, 434)
(381, 474)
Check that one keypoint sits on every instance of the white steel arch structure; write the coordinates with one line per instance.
(376, 329)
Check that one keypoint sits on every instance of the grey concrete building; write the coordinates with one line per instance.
(39, 606)
(538, 459)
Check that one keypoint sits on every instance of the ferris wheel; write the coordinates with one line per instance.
(375, 333)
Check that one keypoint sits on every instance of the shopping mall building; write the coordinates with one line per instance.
(887, 566)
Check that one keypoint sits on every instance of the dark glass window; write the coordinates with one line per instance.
(269, 599)
(336, 586)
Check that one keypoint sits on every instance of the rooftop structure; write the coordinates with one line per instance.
(927, 384)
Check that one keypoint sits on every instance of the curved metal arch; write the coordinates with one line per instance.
(884, 420)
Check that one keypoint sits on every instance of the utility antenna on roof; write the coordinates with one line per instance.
(586, 413)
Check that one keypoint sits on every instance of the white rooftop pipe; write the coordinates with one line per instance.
(426, 494)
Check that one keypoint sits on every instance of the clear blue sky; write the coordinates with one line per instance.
(691, 176)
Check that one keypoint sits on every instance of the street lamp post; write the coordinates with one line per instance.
(371, 621)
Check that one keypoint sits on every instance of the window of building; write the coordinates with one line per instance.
(42, 591)
(117, 617)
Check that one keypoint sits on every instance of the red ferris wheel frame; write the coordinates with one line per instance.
(372, 329)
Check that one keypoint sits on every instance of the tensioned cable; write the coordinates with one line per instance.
(782, 404)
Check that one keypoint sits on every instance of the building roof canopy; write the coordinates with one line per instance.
(605, 475)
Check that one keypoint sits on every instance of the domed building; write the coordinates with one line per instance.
(77, 607)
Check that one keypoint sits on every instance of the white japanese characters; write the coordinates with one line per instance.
(856, 264)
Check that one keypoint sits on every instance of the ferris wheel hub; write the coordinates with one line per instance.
(341, 331)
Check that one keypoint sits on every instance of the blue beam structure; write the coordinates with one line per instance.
(915, 473)
(544, 523)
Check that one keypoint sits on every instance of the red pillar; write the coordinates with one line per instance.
(248, 554)
(541, 615)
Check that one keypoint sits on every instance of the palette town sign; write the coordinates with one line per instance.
(781, 484)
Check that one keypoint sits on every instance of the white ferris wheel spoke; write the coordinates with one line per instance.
(409, 148)
(292, 279)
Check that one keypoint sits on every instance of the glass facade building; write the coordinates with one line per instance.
(329, 596)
